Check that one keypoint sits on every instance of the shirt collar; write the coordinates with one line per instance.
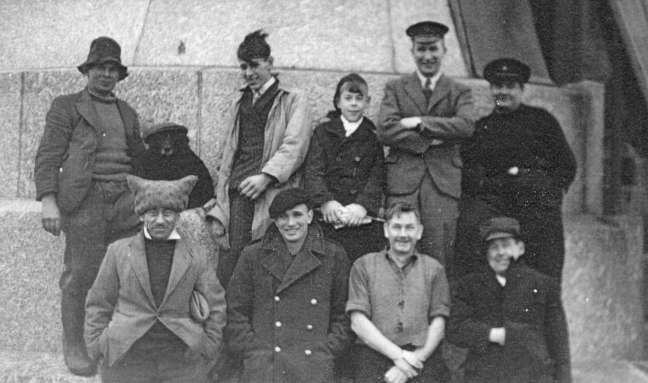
(433, 80)
(265, 87)
(501, 280)
(174, 236)
(350, 127)
(411, 261)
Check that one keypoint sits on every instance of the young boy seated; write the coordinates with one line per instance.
(345, 171)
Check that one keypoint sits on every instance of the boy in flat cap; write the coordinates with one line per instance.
(286, 299)
(266, 140)
(156, 311)
(423, 118)
(510, 316)
(517, 164)
(91, 141)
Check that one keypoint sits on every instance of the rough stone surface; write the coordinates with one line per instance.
(57, 33)
(405, 13)
(10, 104)
(307, 34)
(602, 287)
(609, 371)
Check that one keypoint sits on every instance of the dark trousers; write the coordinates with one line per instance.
(370, 366)
(105, 215)
(240, 234)
(357, 241)
(166, 367)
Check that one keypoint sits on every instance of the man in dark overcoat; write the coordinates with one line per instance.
(91, 141)
(423, 117)
(286, 298)
(519, 164)
(510, 317)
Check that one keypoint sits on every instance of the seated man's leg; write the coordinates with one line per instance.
(120, 210)
(240, 234)
(84, 250)
(129, 369)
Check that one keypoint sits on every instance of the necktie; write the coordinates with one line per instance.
(426, 89)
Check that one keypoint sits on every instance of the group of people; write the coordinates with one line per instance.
(353, 250)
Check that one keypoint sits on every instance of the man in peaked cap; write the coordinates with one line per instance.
(423, 117)
(285, 300)
(143, 318)
(518, 164)
(509, 316)
(91, 141)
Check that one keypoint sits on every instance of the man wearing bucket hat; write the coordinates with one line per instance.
(510, 317)
(156, 311)
(91, 141)
(518, 163)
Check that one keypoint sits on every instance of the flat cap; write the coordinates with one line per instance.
(427, 28)
(162, 127)
(507, 69)
(499, 227)
(288, 199)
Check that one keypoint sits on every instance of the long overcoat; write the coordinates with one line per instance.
(288, 324)
(536, 348)
(287, 134)
(120, 307)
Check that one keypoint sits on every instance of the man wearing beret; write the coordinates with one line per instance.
(423, 117)
(91, 141)
(156, 311)
(510, 316)
(286, 299)
(517, 164)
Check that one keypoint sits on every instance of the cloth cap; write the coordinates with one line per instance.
(499, 227)
(104, 49)
(287, 199)
(427, 28)
(507, 69)
(149, 194)
(162, 127)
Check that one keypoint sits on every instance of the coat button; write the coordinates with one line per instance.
(307, 352)
(313, 301)
(277, 349)
(535, 291)
(526, 310)
(277, 324)
(356, 159)
(276, 298)
(309, 327)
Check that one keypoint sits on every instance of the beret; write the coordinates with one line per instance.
(287, 199)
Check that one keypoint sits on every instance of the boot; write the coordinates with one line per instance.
(74, 350)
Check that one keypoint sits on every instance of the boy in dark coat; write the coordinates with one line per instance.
(169, 157)
(510, 317)
(345, 171)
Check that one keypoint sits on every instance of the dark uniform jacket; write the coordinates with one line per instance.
(447, 120)
(529, 307)
(531, 140)
(66, 152)
(286, 320)
(345, 169)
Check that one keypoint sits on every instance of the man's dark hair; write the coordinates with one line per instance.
(254, 46)
(398, 208)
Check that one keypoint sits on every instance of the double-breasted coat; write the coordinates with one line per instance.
(287, 322)
(529, 307)
(120, 307)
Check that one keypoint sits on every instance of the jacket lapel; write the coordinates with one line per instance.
(273, 265)
(414, 90)
(181, 262)
(87, 111)
(137, 259)
(128, 118)
(305, 261)
(440, 90)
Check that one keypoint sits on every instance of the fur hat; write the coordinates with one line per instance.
(149, 194)
(149, 130)
(104, 49)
